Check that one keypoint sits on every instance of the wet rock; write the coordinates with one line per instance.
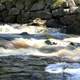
(48, 42)
(25, 15)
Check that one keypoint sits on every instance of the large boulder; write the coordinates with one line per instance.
(72, 22)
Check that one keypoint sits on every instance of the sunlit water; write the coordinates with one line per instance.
(48, 56)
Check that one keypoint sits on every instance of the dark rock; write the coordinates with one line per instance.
(10, 19)
(2, 7)
(52, 23)
(14, 11)
(72, 22)
(9, 4)
(48, 42)
(58, 12)
(19, 5)
(41, 14)
(38, 6)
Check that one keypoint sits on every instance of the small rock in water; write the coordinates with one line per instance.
(24, 33)
(48, 42)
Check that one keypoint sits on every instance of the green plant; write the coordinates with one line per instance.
(57, 3)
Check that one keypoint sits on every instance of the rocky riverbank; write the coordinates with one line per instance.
(56, 12)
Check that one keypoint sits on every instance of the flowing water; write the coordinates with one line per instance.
(38, 56)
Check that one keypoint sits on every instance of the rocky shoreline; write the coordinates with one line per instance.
(56, 13)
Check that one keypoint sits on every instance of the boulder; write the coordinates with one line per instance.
(14, 11)
(38, 6)
(2, 7)
(41, 14)
(19, 5)
(72, 22)
(9, 4)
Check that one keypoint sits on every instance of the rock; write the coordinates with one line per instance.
(72, 22)
(48, 42)
(25, 14)
(52, 23)
(2, 7)
(14, 11)
(9, 4)
(58, 12)
(27, 5)
(4, 13)
(77, 2)
(41, 14)
(19, 19)
(2, 1)
(38, 6)
(10, 19)
(19, 5)
(39, 22)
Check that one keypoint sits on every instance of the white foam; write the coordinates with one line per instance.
(72, 71)
(73, 39)
(55, 68)
(63, 68)
(8, 29)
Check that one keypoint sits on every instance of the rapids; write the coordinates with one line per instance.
(32, 53)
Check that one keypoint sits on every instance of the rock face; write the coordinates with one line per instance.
(57, 12)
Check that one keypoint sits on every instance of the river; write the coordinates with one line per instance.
(40, 56)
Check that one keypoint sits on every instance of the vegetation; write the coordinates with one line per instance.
(57, 3)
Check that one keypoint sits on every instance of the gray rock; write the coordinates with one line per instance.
(14, 11)
(9, 4)
(41, 14)
(27, 4)
(10, 19)
(38, 6)
(2, 1)
(2, 7)
(19, 5)
(58, 12)
(52, 23)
